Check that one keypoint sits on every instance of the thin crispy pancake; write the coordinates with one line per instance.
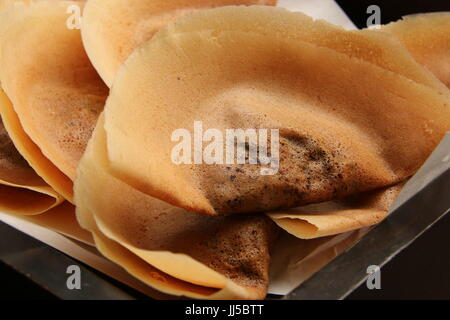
(113, 29)
(380, 49)
(61, 219)
(31, 152)
(56, 93)
(230, 254)
(22, 191)
(346, 125)
(427, 37)
(339, 216)
(6, 3)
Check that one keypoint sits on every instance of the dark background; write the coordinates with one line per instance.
(421, 271)
(391, 10)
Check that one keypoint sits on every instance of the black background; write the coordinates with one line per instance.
(391, 10)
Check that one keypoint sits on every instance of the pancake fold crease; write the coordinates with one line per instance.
(427, 37)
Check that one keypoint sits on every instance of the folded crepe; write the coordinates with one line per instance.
(61, 219)
(427, 37)
(176, 251)
(112, 29)
(55, 92)
(381, 49)
(173, 250)
(339, 216)
(22, 191)
(348, 123)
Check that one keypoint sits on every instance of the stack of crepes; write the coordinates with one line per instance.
(88, 117)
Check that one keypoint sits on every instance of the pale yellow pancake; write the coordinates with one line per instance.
(60, 183)
(113, 29)
(427, 37)
(339, 216)
(56, 93)
(380, 49)
(22, 191)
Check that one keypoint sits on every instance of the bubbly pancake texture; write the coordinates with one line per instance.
(346, 125)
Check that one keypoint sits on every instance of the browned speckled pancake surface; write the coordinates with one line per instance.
(235, 247)
(346, 124)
